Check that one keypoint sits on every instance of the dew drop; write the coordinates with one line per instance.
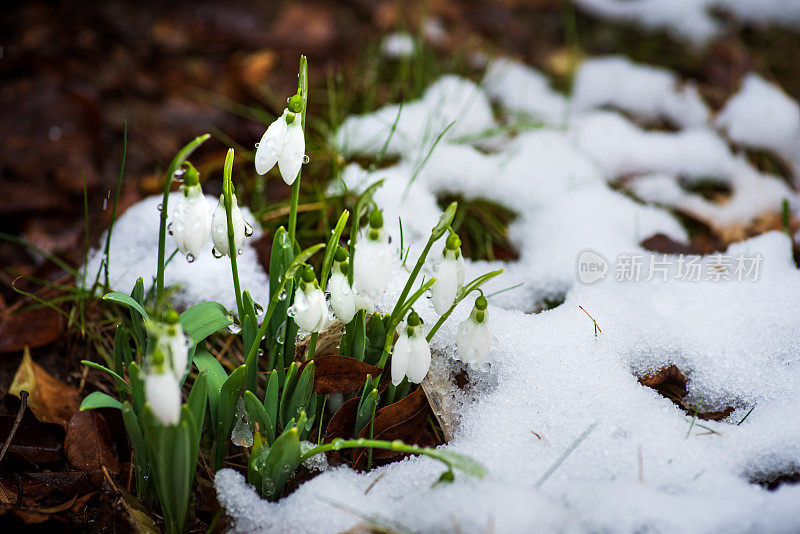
(291, 312)
(160, 207)
(268, 487)
(169, 228)
(257, 145)
(240, 252)
(306, 159)
(241, 434)
(485, 367)
(248, 230)
(286, 468)
(282, 295)
(190, 258)
(219, 229)
(216, 253)
(234, 328)
(259, 309)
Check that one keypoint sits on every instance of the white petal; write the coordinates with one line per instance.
(400, 357)
(310, 309)
(419, 359)
(219, 227)
(290, 159)
(164, 396)
(473, 341)
(461, 271)
(191, 222)
(445, 288)
(179, 352)
(372, 266)
(343, 300)
(270, 145)
(363, 303)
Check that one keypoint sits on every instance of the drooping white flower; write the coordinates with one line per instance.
(191, 221)
(449, 276)
(219, 227)
(343, 299)
(474, 335)
(283, 143)
(163, 394)
(373, 259)
(411, 356)
(363, 303)
(309, 310)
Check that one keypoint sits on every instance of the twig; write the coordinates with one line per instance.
(596, 326)
(23, 397)
(564, 456)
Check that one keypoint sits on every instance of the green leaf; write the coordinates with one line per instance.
(301, 395)
(229, 395)
(202, 320)
(257, 412)
(279, 464)
(359, 340)
(272, 399)
(366, 408)
(333, 243)
(279, 261)
(288, 389)
(444, 221)
(99, 399)
(128, 302)
(197, 400)
(376, 337)
(122, 350)
(118, 380)
(137, 387)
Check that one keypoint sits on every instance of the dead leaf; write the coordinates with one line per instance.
(671, 383)
(50, 400)
(403, 420)
(88, 445)
(343, 422)
(33, 328)
(340, 374)
(137, 515)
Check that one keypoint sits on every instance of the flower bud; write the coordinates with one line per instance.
(411, 356)
(309, 310)
(343, 300)
(191, 221)
(283, 143)
(449, 276)
(372, 265)
(474, 335)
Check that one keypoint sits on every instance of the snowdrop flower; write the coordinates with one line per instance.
(219, 223)
(165, 368)
(474, 335)
(411, 356)
(175, 341)
(191, 220)
(373, 259)
(309, 310)
(449, 276)
(283, 143)
(343, 300)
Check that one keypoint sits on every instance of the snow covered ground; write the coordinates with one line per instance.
(735, 333)
(643, 466)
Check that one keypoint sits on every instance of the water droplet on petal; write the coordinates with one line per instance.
(234, 328)
(257, 145)
(160, 207)
(190, 258)
(306, 159)
(282, 295)
(240, 252)
(241, 434)
(291, 312)
(259, 309)
(169, 228)
(216, 253)
(248, 230)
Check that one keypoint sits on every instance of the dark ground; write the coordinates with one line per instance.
(71, 72)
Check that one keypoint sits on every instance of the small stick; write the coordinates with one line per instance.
(596, 326)
(564, 456)
(23, 397)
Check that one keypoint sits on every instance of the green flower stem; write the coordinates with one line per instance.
(387, 345)
(273, 303)
(325, 270)
(412, 277)
(451, 460)
(177, 161)
(227, 191)
(469, 288)
(302, 90)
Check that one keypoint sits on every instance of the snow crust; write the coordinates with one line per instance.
(133, 253)
(644, 466)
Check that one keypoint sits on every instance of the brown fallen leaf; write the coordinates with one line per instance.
(340, 374)
(343, 422)
(32, 328)
(670, 382)
(50, 400)
(88, 445)
(403, 420)
(136, 514)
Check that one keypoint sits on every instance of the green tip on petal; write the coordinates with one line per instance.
(481, 303)
(171, 317)
(453, 242)
(296, 104)
(190, 175)
(341, 254)
(413, 319)
(308, 274)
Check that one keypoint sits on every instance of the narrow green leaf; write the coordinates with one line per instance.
(272, 400)
(288, 389)
(303, 391)
(197, 400)
(279, 464)
(258, 413)
(359, 340)
(128, 302)
(365, 410)
(99, 399)
(118, 380)
(202, 320)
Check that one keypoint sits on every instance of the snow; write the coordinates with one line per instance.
(693, 20)
(134, 253)
(587, 180)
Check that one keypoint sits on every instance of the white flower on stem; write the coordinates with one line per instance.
(191, 221)
(449, 276)
(163, 394)
(363, 303)
(372, 265)
(474, 335)
(411, 356)
(309, 310)
(343, 299)
(174, 341)
(219, 225)
(283, 143)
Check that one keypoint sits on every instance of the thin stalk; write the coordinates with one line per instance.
(232, 251)
(387, 345)
(412, 277)
(176, 162)
(469, 288)
(302, 90)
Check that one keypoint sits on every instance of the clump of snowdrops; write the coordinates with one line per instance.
(273, 413)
